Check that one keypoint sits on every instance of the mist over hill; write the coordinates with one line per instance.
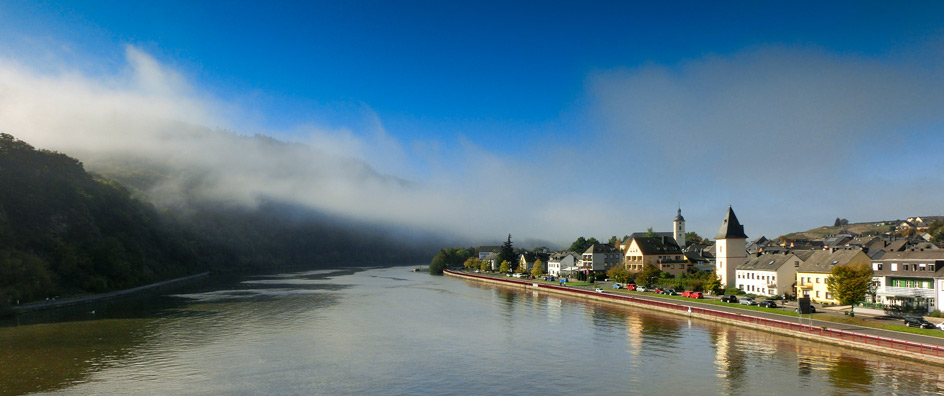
(66, 231)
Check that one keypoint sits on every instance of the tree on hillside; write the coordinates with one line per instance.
(579, 246)
(507, 253)
(614, 241)
(850, 283)
(505, 266)
(936, 229)
(837, 223)
(538, 268)
(582, 244)
(692, 238)
(648, 275)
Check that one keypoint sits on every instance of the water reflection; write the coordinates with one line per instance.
(47, 357)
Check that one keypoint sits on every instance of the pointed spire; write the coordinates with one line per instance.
(679, 216)
(731, 228)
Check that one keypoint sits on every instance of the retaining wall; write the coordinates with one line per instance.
(933, 354)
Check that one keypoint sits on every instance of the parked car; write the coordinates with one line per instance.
(696, 294)
(729, 298)
(940, 325)
(918, 322)
(642, 288)
(658, 290)
(748, 301)
(687, 293)
(631, 286)
(599, 290)
(670, 292)
(767, 304)
(617, 286)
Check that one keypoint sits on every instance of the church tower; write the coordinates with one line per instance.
(679, 226)
(730, 249)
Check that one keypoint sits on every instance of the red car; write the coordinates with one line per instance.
(631, 286)
(658, 290)
(686, 293)
(696, 295)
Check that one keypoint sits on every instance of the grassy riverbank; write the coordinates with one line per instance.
(890, 324)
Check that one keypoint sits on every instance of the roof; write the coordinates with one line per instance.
(822, 261)
(557, 257)
(767, 262)
(913, 255)
(601, 248)
(659, 243)
(679, 217)
(731, 228)
(484, 249)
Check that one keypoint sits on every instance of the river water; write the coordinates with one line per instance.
(394, 332)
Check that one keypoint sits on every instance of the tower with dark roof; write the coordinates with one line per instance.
(730, 249)
(679, 226)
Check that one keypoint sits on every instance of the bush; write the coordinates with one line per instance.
(936, 313)
(733, 290)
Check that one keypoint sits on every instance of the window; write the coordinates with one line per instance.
(817, 293)
(817, 281)
(828, 296)
(894, 266)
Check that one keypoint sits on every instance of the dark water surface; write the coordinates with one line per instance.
(394, 332)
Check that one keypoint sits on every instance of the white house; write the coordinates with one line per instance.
(562, 264)
(768, 274)
(913, 279)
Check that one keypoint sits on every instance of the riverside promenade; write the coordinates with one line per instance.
(103, 296)
(904, 345)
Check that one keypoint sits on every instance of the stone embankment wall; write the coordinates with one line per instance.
(933, 354)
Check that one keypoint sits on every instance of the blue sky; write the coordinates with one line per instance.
(574, 119)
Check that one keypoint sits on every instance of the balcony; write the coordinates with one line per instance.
(905, 292)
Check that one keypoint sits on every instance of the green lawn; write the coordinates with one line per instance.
(893, 324)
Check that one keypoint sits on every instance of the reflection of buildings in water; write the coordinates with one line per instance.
(634, 338)
(729, 359)
(554, 308)
(851, 369)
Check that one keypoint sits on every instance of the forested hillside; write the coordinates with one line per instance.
(64, 231)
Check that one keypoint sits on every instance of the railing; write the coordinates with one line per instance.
(866, 339)
(905, 291)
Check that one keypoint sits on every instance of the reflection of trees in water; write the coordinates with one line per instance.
(850, 373)
(53, 356)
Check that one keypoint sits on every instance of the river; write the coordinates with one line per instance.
(394, 332)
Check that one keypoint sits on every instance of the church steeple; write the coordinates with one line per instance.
(678, 227)
(730, 249)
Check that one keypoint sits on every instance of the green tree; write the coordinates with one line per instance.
(538, 268)
(507, 253)
(692, 238)
(579, 246)
(614, 241)
(472, 263)
(485, 266)
(713, 283)
(850, 283)
(650, 233)
(648, 275)
(618, 273)
(505, 266)
(837, 223)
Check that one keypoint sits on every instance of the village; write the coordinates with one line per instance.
(907, 267)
